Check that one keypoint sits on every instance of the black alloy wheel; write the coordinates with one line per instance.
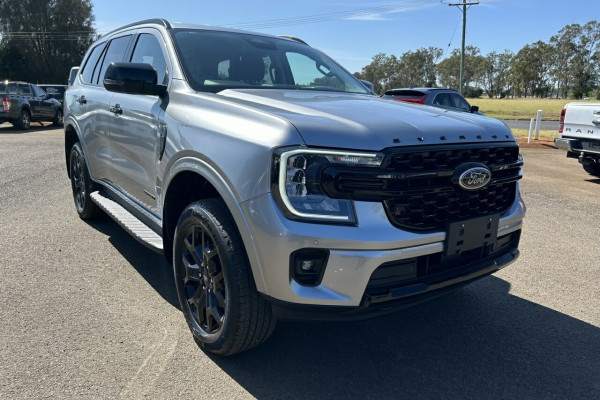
(82, 185)
(216, 290)
(204, 283)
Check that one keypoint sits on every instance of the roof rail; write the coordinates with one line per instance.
(294, 38)
(159, 21)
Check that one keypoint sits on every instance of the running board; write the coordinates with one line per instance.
(130, 223)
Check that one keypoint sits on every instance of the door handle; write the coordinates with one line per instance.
(596, 122)
(116, 109)
(81, 100)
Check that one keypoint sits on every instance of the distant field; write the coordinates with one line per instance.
(525, 133)
(522, 108)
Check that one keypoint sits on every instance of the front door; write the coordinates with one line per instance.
(136, 129)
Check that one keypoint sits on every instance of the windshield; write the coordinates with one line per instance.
(214, 61)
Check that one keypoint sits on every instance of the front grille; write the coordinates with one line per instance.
(418, 185)
(433, 202)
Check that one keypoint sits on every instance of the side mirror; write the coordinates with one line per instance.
(133, 78)
(473, 109)
(368, 85)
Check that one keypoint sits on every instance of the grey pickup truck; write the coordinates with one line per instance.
(23, 103)
(278, 185)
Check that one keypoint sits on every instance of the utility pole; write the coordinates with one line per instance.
(465, 6)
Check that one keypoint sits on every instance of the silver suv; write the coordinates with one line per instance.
(277, 184)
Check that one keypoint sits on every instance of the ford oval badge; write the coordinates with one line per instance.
(474, 178)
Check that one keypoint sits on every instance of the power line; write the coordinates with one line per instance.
(264, 24)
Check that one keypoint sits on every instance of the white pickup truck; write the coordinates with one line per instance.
(579, 134)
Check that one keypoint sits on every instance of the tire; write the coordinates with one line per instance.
(58, 119)
(82, 185)
(214, 283)
(24, 120)
(592, 168)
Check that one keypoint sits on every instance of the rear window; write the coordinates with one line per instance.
(405, 94)
(8, 88)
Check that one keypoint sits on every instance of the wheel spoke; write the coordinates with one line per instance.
(198, 305)
(192, 249)
(192, 271)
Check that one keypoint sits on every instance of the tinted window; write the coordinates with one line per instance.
(459, 102)
(115, 53)
(25, 90)
(443, 99)
(8, 88)
(148, 50)
(37, 91)
(213, 61)
(90, 64)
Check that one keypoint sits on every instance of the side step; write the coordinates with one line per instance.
(131, 224)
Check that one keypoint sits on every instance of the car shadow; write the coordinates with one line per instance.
(9, 129)
(150, 265)
(594, 180)
(479, 342)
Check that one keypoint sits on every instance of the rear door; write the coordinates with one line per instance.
(137, 126)
(45, 106)
(89, 101)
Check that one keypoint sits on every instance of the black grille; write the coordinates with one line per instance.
(433, 202)
(418, 185)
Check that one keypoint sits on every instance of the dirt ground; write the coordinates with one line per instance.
(542, 142)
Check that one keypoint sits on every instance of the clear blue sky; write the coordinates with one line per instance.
(353, 31)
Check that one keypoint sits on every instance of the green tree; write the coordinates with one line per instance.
(418, 68)
(51, 35)
(382, 72)
(494, 76)
(449, 68)
(530, 69)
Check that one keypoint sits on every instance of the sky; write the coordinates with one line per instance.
(353, 31)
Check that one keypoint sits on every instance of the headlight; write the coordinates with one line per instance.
(298, 183)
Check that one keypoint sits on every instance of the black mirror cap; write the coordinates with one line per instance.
(133, 78)
(474, 109)
(368, 85)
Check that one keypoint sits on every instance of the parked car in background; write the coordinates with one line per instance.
(23, 103)
(579, 135)
(443, 98)
(73, 75)
(56, 91)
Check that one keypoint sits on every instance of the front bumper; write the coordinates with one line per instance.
(355, 252)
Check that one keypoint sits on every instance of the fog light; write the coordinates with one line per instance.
(308, 265)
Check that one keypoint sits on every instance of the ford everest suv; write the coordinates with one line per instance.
(278, 185)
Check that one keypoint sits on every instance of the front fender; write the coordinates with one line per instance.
(202, 168)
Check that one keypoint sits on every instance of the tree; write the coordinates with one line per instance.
(418, 68)
(51, 35)
(494, 78)
(449, 68)
(530, 69)
(382, 72)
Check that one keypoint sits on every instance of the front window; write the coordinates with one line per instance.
(214, 61)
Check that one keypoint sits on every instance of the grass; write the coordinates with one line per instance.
(525, 133)
(522, 108)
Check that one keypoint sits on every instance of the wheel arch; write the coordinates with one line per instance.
(71, 137)
(191, 179)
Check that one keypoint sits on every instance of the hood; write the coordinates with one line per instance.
(355, 121)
